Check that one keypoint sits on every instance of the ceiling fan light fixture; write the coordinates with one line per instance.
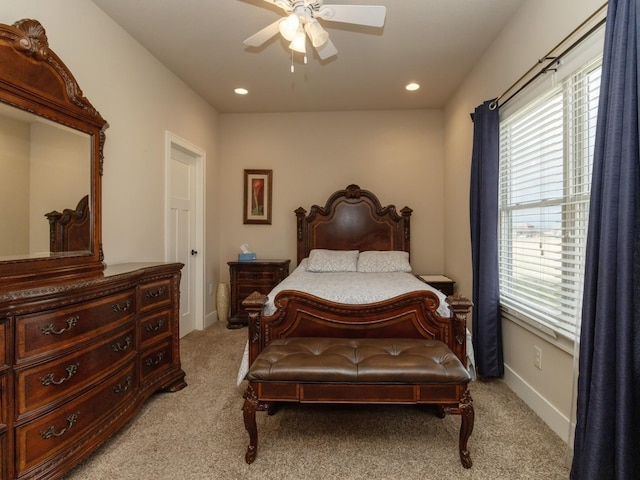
(289, 26)
(317, 34)
(298, 44)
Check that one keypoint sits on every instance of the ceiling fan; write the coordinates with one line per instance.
(302, 21)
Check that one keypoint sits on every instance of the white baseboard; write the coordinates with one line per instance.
(556, 420)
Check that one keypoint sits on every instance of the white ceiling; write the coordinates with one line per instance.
(432, 42)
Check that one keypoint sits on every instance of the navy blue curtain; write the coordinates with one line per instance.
(483, 206)
(607, 438)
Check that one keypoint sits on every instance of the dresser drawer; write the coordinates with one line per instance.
(49, 332)
(3, 402)
(3, 345)
(55, 380)
(3, 456)
(155, 295)
(156, 360)
(155, 327)
(51, 434)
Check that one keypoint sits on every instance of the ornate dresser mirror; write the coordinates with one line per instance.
(51, 142)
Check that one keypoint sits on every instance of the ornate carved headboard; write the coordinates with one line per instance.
(353, 219)
(70, 231)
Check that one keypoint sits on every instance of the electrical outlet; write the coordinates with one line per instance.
(537, 357)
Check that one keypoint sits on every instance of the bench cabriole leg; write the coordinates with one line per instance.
(466, 427)
(251, 406)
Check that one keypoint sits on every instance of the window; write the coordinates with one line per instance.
(546, 151)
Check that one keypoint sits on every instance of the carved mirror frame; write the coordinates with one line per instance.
(34, 79)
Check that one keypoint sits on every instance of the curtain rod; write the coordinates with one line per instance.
(550, 57)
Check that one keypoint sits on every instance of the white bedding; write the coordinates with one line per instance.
(354, 288)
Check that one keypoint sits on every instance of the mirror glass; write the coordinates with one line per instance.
(45, 168)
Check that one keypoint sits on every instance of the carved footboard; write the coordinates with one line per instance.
(412, 315)
(305, 326)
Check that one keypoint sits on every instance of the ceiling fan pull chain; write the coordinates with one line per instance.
(292, 67)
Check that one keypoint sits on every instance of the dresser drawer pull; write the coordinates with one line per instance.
(51, 431)
(152, 328)
(151, 362)
(154, 294)
(118, 347)
(119, 388)
(51, 329)
(50, 380)
(117, 307)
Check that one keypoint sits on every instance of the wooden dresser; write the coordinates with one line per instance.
(81, 346)
(79, 359)
(248, 277)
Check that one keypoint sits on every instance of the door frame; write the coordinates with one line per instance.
(199, 157)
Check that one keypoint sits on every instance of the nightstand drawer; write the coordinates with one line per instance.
(245, 290)
(257, 276)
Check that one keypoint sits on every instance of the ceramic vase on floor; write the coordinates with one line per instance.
(222, 301)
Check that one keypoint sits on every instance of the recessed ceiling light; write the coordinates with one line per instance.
(412, 86)
(241, 91)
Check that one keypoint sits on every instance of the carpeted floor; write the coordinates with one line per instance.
(198, 434)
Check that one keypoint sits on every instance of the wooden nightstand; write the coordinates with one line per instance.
(249, 277)
(442, 283)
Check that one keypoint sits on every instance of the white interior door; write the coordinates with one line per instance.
(182, 231)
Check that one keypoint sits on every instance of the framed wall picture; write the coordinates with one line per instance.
(257, 196)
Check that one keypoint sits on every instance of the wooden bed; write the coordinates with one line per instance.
(70, 231)
(353, 219)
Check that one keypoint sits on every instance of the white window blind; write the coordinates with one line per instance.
(546, 152)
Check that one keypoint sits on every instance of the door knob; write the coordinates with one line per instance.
(194, 252)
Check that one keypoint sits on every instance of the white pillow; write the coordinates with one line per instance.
(385, 261)
(321, 260)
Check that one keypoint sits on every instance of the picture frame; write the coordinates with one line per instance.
(257, 197)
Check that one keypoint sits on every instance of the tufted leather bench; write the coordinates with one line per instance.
(359, 370)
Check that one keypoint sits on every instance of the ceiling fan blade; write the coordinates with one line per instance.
(328, 49)
(284, 4)
(263, 35)
(369, 15)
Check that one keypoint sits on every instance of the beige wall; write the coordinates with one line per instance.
(64, 155)
(14, 186)
(398, 155)
(535, 29)
(141, 100)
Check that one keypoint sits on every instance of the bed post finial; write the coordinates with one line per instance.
(300, 214)
(254, 304)
(460, 307)
(406, 216)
